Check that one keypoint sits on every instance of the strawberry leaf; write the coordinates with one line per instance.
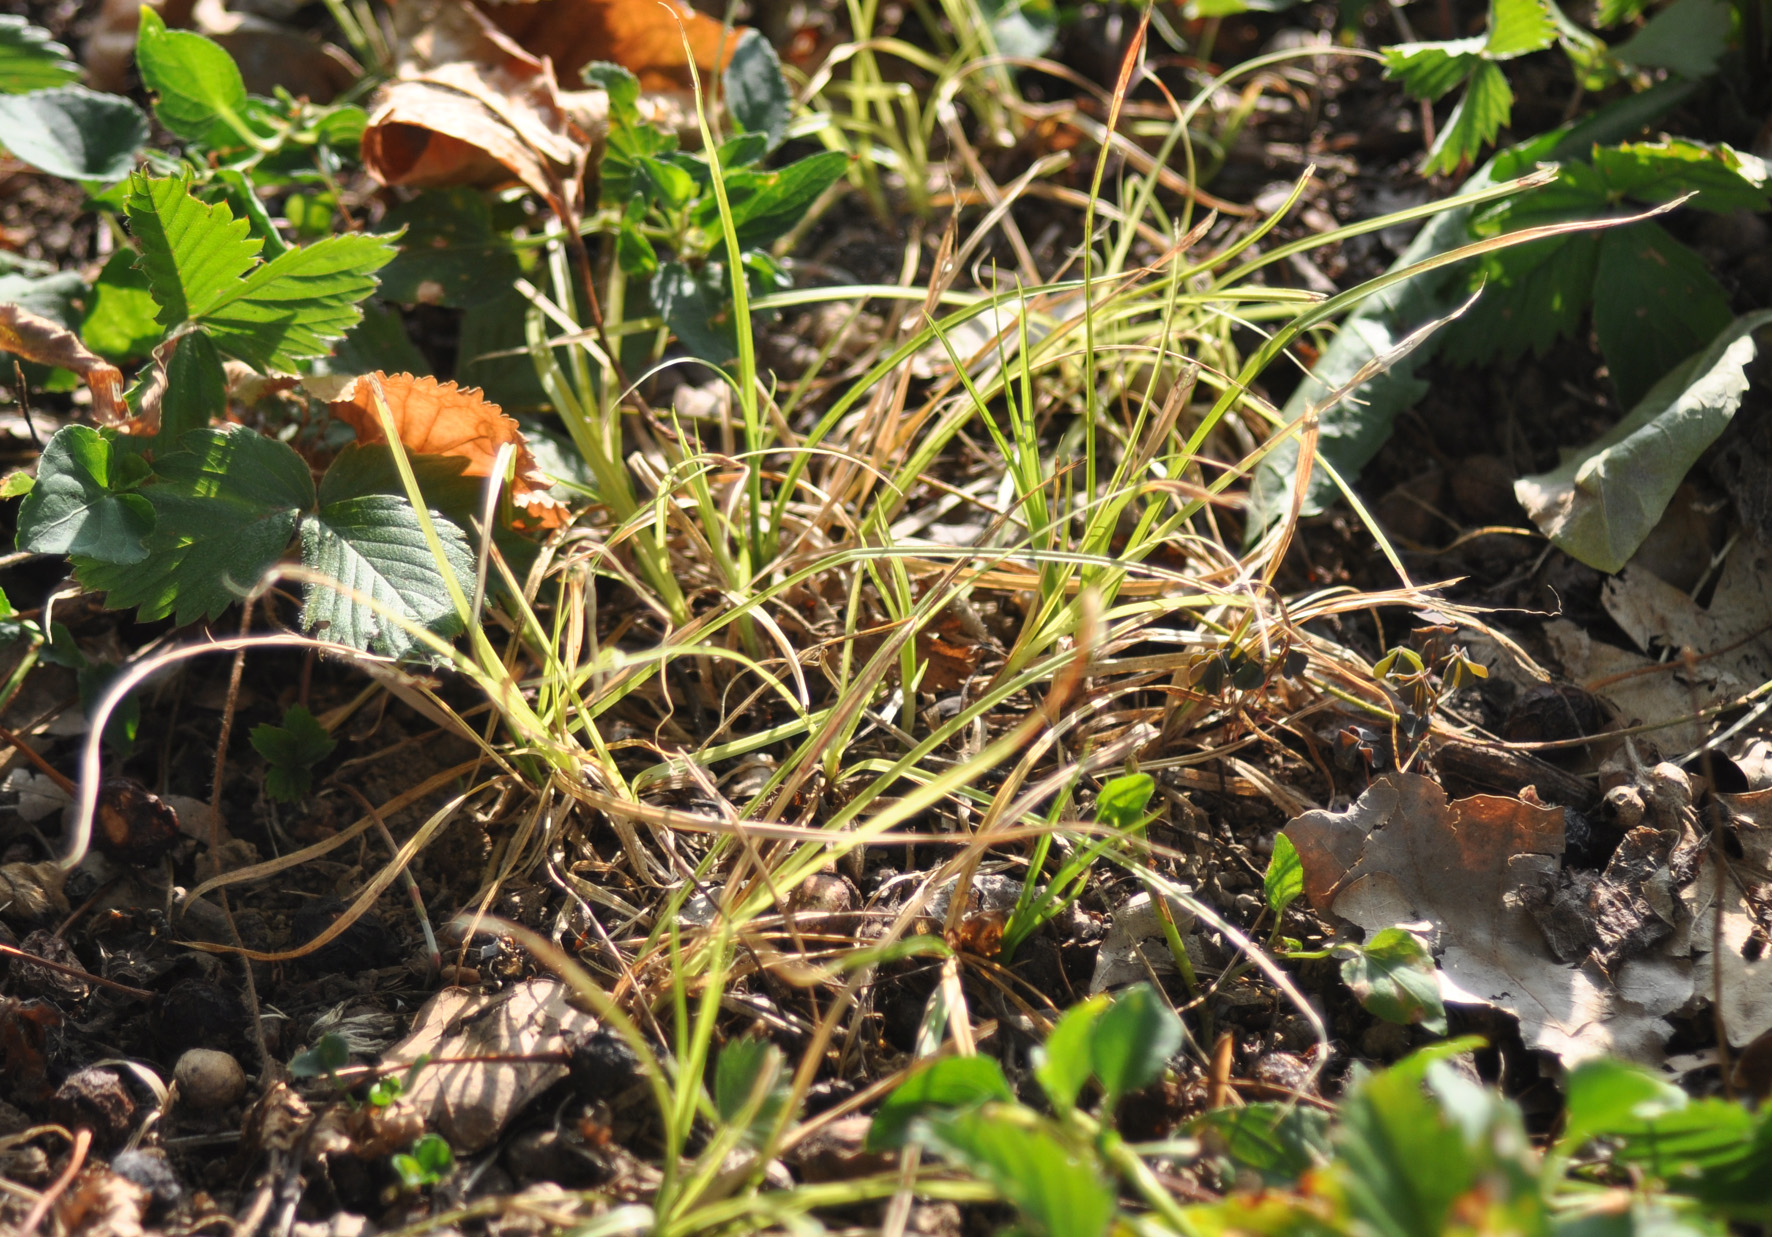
(192, 252)
(374, 547)
(31, 60)
(296, 305)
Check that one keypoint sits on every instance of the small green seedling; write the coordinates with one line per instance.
(1392, 975)
(428, 1163)
(293, 749)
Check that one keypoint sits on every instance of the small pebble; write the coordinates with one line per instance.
(208, 1080)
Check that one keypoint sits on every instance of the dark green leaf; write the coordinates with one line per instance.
(1122, 801)
(1282, 1142)
(944, 1085)
(53, 296)
(746, 1064)
(1655, 304)
(1059, 1192)
(73, 132)
(296, 305)
(1613, 1097)
(1688, 37)
(225, 506)
(450, 254)
(1133, 1040)
(31, 60)
(695, 306)
(379, 342)
(1600, 504)
(198, 84)
(1432, 70)
(1392, 975)
(375, 548)
(1519, 26)
(1533, 296)
(766, 205)
(1474, 123)
(428, 1163)
(293, 749)
(196, 388)
(73, 508)
(743, 150)
(193, 253)
(1062, 1064)
(121, 324)
(757, 95)
(622, 87)
(635, 253)
(1661, 171)
(329, 1055)
(1284, 879)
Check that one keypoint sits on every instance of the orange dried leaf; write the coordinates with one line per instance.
(440, 418)
(645, 37)
(34, 338)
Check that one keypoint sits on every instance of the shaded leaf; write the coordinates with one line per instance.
(292, 749)
(1655, 304)
(375, 547)
(73, 132)
(30, 59)
(1392, 975)
(757, 95)
(1058, 1192)
(122, 321)
(1474, 123)
(745, 1064)
(1687, 37)
(944, 1085)
(1282, 1142)
(1599, 505)
(449, 254)
(1062, 1064)
(74, 509)
(1133, 1041)
(225, 506)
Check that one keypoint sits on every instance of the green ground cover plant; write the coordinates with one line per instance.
(708, 628)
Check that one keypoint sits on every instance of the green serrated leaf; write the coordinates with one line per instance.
(1057, 1192)
(1533, 296)
(197, 83)
(193, 253)
(1393, 976)
(635, 253)
(746, 1064)
(1601, 503)
(1062, 1065)
(294, 306)
(1433, 70)
(1284, 880)
(1474, 123)
(54, 296)
(1613, 1097)
(73, 508)
(293, 749)
(73, 132)
(1282, 1142)
(1517, 27)
(944, 1085)
(766, 205)
(31, 60)
(226, 506)
(757, 95)
(1724, 178)
(620, 84)
(1688, 37)
(375, 548)
(1133, 1040)
(196, 388)
(1655, 304)
(122, 322)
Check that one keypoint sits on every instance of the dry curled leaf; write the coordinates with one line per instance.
(471, 107)
(1472, 869)
(440, 418)
(645, 37)
(34, 338)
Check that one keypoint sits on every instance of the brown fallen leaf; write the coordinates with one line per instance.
(440, 418)
(645, 37)
(1471, 870)
(472, 107)
(467, 1101)
(34, 338)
